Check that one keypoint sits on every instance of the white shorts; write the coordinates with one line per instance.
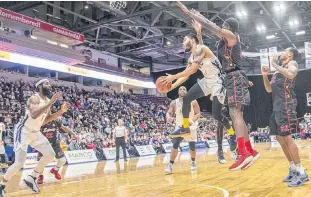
(193, 133)
(23, 137)
(2, 150)
(213, 87)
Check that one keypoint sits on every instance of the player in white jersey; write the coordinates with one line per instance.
(27, 132)
(203, 59)
(2, 150)
(176, 108)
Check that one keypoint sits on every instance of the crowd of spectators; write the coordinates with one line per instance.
(94, 113)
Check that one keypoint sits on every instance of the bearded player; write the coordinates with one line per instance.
(229, 54)
(283, 121)
(203, 59)
(27, 132)
(50, 131)
(176, 108)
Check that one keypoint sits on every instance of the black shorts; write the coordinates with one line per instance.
(59, 153)
(283, 123)
(237, 88)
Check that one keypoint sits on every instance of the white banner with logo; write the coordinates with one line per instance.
(145, 150)
(308, 54)
(264, 58)
(110, 153)
(274, 142)
(211, 143)
(272, 51)
(31, 161)
(309, 99)
(168, 147)
(80, 156)
(225, 142)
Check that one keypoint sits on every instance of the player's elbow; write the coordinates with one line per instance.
(291, 76)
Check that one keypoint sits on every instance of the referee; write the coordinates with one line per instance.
(120, 135)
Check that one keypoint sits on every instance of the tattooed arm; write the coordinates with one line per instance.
(230, 37)
(289, 72)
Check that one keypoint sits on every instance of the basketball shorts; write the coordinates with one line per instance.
(193, 133)
(213, 87)
(2, 149)
(24, 137)
(237, 88)
(283, 123)
(59, 153)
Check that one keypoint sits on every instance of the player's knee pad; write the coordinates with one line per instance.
(192, 146)
(176, 142)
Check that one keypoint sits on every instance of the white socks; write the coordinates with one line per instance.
(300, 169)
(292, 166)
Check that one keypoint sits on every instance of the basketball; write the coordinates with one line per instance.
(161, 87)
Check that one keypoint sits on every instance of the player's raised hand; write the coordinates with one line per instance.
(55, 97)
(265, 70)
(65, 106)
(197, 26)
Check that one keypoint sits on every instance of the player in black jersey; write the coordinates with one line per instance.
(236, 83)
(284, 121)
(50, 131)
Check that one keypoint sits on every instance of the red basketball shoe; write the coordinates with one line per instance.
(40, 179)
(256, 156)
(241, 161)
(55, 172)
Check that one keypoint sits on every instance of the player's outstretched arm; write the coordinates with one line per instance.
(230, 37)
(265, 73)
(198, 29)
(290, 72)
(69, 131)
(64, 108)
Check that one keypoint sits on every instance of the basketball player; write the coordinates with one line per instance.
(284, 121)
(229, 54)
(176, 108)
(212, 83)
(2, 150)
(50, 131)
(27, 132)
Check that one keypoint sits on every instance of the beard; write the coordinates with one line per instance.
(188, 47)
(46, 91)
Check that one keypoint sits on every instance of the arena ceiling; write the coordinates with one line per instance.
(152, 31)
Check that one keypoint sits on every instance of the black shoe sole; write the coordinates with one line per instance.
(30, 186)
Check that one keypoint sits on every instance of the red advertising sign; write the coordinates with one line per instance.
(40, 24)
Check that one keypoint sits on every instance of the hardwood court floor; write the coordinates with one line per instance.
(144, 177)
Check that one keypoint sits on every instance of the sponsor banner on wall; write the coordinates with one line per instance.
(168, 147)
(211, 143)
(213, 151)
(184, 146)
(79, 170)
(80, 156)
(110, 153)
(31, 161)
(145, 150)
(309, 99)
(40, 24)
(308, 54)
(264, 58)
(225, 143)
(272, 51)
(274, 142)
